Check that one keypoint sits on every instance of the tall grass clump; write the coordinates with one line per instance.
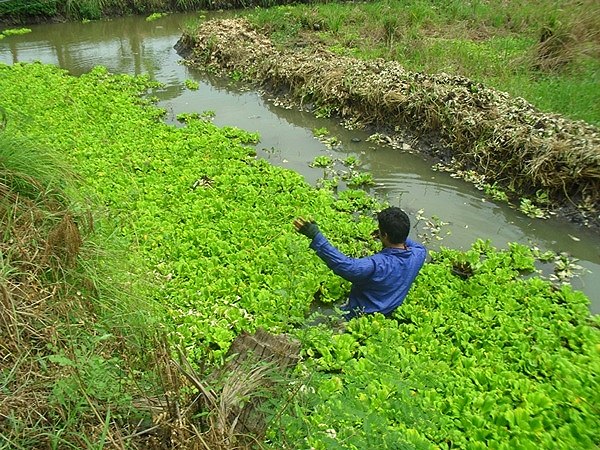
(70, 337)
(17, 11)
(27, 171)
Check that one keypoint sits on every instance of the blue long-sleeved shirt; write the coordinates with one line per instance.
(379, 282)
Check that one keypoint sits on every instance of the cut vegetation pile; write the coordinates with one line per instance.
(504, 139)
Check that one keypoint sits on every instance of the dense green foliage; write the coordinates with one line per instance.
(547, 51)
(490, 361)
(22, 8)
(34, 10)
(486, 359)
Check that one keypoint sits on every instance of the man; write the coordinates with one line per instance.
(379, 282)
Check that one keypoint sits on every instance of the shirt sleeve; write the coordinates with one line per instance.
(415, 246)
(351, 269)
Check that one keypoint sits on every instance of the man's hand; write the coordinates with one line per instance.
(305, 227)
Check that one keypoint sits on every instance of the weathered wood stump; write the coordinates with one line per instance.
(279, 349)
(257, 364)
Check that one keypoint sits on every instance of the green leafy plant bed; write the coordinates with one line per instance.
(478, 356)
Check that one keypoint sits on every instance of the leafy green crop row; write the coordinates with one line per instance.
(477, 356)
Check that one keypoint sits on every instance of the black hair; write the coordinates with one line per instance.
(395, 223)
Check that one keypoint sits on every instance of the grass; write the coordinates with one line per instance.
(28, 170)
(73, 329)
(22, 11)
(547, 52)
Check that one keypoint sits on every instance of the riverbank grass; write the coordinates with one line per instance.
(547, 53)
(73, 329)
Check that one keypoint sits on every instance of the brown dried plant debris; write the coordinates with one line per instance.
(34, 300)
(64, 241)
(224, 409)
(505, 139)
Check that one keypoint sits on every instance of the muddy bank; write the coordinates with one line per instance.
(500, 141)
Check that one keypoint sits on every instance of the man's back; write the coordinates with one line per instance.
(379, 282)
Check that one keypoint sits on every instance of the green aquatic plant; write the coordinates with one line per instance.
(324, 111)
(356, 200)
(155, 16)
(478, 354)
(320, 132)
(351, 162)
(359, 179)
(461, 354)
(530, 209)
(323, 161)
(192, 85)
(495, 192)
(14, 32)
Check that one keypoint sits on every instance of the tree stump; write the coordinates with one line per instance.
(257, 364)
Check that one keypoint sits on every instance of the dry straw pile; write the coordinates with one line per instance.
(226, 408)
(505, 139)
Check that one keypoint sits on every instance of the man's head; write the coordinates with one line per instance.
(395, 224)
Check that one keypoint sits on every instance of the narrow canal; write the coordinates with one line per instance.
(135, 46)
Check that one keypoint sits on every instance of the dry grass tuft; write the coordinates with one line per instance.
(226, 409)
(64, 241)
(27, 317)
(563, 42)
(37, 304)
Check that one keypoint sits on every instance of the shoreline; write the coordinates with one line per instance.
(467, 128)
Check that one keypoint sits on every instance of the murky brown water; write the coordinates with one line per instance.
(132, 45)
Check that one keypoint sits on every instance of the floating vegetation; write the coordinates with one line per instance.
(14, 32)
(320, 132)
(528, 208)
(322, 161)
(359, 179)
(192, 85)
(478, 356)
(155, 16)
(431, 228)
